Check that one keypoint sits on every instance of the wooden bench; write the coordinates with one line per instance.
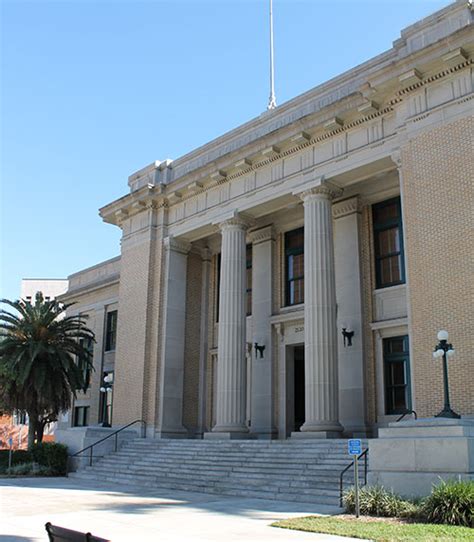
(60, 534)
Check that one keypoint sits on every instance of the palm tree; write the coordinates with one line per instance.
(44, 359)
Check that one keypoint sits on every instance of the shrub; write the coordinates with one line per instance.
(51, 455)
(30, 468)
(451, 502)
(18, 457)
(377, 501)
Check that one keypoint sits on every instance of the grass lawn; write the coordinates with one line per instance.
(377, 530)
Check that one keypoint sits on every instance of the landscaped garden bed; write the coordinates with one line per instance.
(446, 514)
(46, 459)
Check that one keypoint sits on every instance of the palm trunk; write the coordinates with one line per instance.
(32, 428)
(40, 431)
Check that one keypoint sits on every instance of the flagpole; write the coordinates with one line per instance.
(272, 99)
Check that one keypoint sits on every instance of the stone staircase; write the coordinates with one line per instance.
(302, 471)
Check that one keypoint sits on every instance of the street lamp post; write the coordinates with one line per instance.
(106, 389)
(445, 350)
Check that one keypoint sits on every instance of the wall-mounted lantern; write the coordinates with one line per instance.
(347, 333)
(259, 349)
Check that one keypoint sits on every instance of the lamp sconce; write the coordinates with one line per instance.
(347, 336)
(259, 349)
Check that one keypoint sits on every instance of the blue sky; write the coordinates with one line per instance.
(91, 91)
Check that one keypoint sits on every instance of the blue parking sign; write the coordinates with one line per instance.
(354, 446)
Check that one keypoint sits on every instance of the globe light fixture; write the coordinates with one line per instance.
(445, 350)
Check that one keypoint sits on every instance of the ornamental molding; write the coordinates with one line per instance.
(262, 235)
(177, 245)
(239, 221)
(368, 112)
(346, 207)
(326, 190)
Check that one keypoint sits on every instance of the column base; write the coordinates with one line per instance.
(322, 427)
(314, 435)
(171, 433)
(228, 435)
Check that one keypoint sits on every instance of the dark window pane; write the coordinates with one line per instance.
(294, 263)
(398, 374)
(388, 242)
(399, 399)
(386, 212)
(111, 331)
(388, 245)
(397, 345)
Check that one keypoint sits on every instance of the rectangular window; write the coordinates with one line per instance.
(111, 331)
(294, 267)
(249, 279)
(397, 375)
(81, 416)
(85, 368)
(388, 241)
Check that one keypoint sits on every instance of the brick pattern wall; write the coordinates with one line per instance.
(192, 341)
(438, 174)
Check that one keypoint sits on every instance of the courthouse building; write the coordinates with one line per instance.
(289, 278)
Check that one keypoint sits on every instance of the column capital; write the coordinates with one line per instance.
(262, 235)
(239, 221)
(326, 190)
(346, 207)
(177, 245)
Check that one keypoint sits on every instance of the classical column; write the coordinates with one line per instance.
(321, 375)
(170, 410)
(231, 363)
(263, 244)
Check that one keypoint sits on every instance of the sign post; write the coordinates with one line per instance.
(354, 448)
(10, 452)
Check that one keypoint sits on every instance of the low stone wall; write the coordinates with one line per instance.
(410, 457)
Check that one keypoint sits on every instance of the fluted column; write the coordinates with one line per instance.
(321, 376)
(231, 363)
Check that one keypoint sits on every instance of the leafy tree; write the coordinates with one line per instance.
(44, 359)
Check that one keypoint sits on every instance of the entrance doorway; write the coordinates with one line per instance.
(299, 388)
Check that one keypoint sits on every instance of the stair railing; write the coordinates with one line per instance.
(406, 414)
(114, 434)
(364, 455)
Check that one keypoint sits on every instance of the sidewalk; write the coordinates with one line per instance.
(125, 514)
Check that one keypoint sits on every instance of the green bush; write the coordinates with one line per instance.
(451, 503)
(377, 501)
(18, 457)
(32, 469)
(51, 455)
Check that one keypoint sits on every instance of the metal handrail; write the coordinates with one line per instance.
(364, 455)
(405, 414)
(114, 434)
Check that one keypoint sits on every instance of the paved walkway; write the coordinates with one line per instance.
(125, 514)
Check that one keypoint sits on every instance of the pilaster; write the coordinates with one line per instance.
(263, 246)
(169, 422)
(346, 214)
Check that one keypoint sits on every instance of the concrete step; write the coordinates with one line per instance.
(284, 470)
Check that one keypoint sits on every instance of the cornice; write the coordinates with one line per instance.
(368, 92)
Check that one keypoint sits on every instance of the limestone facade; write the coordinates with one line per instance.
(230, 323)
